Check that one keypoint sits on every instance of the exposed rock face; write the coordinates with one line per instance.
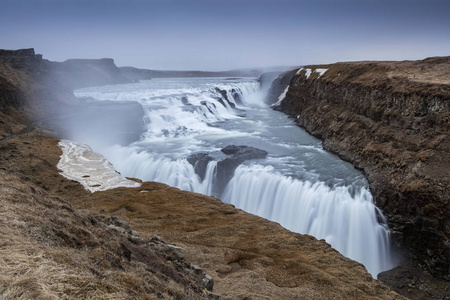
(279, 84)
(200, 162)
(225, 167)
(26, 85)
(15, 65)
(9, 95)
(407, 281)
(392, 120)
(21, 59)
(78, 73)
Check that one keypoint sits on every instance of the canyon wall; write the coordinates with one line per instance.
(79, 73)
(390, 119)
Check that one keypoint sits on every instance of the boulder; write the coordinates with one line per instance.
(226, 167)
(200, 162)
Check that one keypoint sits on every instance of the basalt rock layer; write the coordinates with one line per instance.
(390, 119)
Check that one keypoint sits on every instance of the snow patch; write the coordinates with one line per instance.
(281, 97)
(308, 72)
(320, 71)
(78, 162)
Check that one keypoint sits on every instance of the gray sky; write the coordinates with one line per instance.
(227, 34)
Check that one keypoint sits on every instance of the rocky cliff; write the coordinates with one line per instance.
(277, 86)
(391, 119)
(61, 241)
(79, 73)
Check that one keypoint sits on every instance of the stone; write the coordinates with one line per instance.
(226, 167)
(120, 223)
(197, 269)
(117, 228)
(177, 251)
(200, 162)
(185, 100)
(207, 282)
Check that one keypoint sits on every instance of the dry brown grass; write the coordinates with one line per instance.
(50, 251)
(428, 76)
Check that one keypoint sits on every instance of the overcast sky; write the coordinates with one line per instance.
(227, 34)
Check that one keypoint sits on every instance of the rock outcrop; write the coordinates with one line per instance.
(235, 156)
(278, 86)
(79, 73)
(391, 119)
(21, 59)
(10, 96)
(15, 65)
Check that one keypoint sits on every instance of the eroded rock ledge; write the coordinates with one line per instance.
(390, 119)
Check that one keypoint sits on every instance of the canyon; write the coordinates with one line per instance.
(388, 118)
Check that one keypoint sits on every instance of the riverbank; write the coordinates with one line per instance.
(390, 119)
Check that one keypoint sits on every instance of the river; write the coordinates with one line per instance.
(298, 184)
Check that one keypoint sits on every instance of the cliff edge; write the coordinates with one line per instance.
(391, 119)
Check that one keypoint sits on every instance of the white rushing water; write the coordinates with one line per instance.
(303, 187)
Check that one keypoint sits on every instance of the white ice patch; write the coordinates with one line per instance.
(320, 71)
(308, 72)
(281, 97)
(298, 72)
(78, 162)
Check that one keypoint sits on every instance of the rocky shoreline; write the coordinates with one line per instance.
(390, 119)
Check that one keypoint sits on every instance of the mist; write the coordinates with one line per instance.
(224, 35)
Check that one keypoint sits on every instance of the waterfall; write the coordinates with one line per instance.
(299, 185)
(345, 219)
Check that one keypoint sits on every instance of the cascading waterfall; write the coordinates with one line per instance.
(344, 218)
(299, 185)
